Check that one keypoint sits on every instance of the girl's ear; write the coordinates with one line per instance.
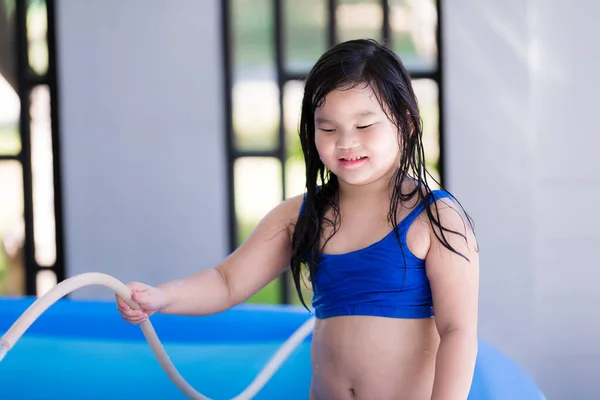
(411, 122)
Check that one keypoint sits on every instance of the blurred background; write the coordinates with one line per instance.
(146, 139)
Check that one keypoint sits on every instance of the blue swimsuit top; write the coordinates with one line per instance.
(375, 280)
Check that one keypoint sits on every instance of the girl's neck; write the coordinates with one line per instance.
(379, 189)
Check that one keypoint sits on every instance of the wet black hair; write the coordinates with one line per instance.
(344, 66)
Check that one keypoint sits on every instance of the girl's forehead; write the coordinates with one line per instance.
(356, 102)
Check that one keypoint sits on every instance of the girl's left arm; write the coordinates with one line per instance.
(454, 284)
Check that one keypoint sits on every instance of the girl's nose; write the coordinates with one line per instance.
(347, 141)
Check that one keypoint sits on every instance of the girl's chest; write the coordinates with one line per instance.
(354, 234)
(361, 234)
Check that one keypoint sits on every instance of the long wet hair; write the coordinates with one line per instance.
(344, 66)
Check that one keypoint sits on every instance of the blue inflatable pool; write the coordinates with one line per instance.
(84, 350)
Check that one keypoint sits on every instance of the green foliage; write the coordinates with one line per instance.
(9, 6)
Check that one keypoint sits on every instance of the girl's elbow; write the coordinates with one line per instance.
(463, 332)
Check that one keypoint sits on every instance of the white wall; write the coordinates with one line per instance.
(142, 138)
(521, 81)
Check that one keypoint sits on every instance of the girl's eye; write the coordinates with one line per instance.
(327, 130)
(364, 126)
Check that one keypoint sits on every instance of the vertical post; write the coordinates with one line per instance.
(279, 32)
(332, 26)
(52, 78)
(23, 73)
(227, 107)
(439, 77)
(385, 25)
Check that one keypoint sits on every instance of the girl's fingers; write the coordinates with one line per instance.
(130, 313)
(135, 320)
(142, 297)
(122, 304)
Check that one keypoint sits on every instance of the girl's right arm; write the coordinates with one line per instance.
(258, 261)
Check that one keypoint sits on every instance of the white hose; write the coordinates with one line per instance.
(93, 278)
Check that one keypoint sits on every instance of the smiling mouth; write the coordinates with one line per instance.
(354, 158)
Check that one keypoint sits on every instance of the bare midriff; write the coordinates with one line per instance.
(373, 358)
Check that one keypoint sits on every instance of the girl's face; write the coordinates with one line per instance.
(354, 137)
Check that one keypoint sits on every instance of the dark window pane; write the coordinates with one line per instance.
(257, 191)
(252, 34)
(43, 177)
(413, 33)
(37, 27)
(10, 140)
(306, 33)
(427, 95)
(8, 61)
(256, 114)
(359, 20)
(255, 93)
(294, 175)
(12, 229)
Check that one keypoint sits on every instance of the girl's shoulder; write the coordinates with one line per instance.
(287, 211)
(293, 205)
(443, 207)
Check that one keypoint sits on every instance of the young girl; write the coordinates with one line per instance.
(393, 265)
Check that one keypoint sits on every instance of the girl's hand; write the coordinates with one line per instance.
(150, 299)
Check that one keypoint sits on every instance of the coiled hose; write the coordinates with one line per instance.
(65, 287)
